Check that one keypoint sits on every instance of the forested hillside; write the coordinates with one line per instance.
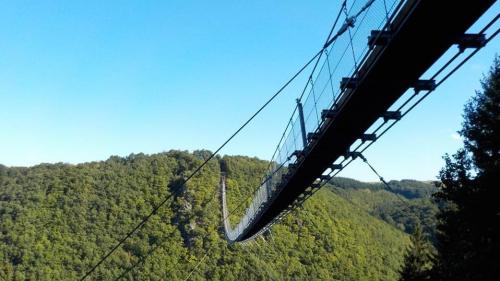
(57, 220)
(406, 204)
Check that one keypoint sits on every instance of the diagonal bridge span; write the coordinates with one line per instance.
(405, 38)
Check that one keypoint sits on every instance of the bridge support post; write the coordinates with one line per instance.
(302, 123)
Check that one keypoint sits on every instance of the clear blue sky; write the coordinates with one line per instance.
(83, 80)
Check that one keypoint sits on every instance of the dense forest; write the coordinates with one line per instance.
(406, 204)
(57, 220)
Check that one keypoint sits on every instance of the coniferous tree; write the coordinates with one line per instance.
(418, 258)
(469, 221)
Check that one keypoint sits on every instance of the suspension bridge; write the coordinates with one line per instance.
(361, 72)
(371, 71)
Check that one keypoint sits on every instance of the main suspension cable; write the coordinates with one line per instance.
(328, 42)
(155, 209)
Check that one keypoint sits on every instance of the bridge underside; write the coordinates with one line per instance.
(421, 33)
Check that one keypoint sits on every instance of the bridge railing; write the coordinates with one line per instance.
(340, 60)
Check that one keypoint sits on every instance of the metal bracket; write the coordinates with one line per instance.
(379, 38)
(353, 154)
(368, 137)
(298, 153)
(471, 40)
(391, 115)
(348, 83)
(328, 113)
(312, 136)
(336, 166)
(315, 185)
(424, 85)
(325, 178)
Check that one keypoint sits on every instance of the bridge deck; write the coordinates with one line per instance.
(422, 31)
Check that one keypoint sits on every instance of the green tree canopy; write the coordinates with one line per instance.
(469, 222)
(418, 259)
